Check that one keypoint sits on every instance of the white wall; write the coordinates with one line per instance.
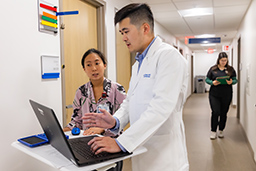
(248, 80)
(164, 34)
(202, 63)
(21, 45)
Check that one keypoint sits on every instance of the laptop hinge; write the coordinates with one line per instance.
(73, 161)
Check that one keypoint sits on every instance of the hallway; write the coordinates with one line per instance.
(232, 153)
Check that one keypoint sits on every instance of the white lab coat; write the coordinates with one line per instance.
(154, 109)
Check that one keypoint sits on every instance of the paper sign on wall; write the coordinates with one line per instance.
(50, 67)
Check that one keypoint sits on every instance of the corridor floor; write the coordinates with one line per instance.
(231, 153)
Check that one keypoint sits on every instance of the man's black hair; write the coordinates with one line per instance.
(138, 13)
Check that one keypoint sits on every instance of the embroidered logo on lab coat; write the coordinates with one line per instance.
(146, 75)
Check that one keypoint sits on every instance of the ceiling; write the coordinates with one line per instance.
(224, 23)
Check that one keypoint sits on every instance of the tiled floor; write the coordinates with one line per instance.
(232, 153)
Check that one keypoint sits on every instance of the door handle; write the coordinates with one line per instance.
(69, 106)
(62, 26)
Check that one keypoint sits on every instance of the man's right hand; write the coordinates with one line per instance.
(100, 144)
(102, 120)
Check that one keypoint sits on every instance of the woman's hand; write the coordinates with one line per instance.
(66, 129)
(229, 81)
(215, 82)
(93, 130)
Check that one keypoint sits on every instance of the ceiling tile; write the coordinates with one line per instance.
(193, 4)
(226, 19)
(151, 1)
(167, 15)
(176, 25)
(241, 9)
(218, 3)
(162, 7)
(181, 0)
(201, 25)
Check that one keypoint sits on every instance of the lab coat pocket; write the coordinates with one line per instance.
(160, 153)
(167, 150)
(145, 90)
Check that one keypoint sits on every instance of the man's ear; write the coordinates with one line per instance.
(146, 28)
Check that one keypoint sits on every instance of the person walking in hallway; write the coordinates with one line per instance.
(221, 77)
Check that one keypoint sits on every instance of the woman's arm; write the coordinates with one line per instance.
(120, 95)
(234, 80)
(208, 81)
(76, 118)
(65, 129)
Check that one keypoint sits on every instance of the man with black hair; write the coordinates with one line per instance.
(154, 101)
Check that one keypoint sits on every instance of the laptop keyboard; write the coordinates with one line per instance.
(80, 146)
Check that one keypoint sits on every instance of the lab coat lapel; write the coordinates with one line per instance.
(141, 71)
(136, 76)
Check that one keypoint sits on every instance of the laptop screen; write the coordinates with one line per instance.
(52, 129)
(57, 139)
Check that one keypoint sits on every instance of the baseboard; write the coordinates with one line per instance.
(248, 143)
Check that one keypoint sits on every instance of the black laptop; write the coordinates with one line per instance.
(76, 149)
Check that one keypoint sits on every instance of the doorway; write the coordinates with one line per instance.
(123, 62)
(78, 34)
(192, 74)
(239, 67)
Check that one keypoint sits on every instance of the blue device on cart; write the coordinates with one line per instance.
(35, 140)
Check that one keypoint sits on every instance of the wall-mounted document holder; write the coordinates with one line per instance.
(50, 67)
(48, 16)
(48, 21)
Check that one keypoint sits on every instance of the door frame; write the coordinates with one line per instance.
(192, 74)
(101, 39)
(239, 67)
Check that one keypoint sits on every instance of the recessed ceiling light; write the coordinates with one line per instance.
(207, 44)
(196, 12)
(212, 49)
(205, 35)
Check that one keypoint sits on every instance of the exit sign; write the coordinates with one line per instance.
(225, 48)
(210, 50)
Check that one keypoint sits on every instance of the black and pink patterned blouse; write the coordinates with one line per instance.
(84, 101)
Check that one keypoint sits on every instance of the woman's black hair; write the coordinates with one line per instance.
(222, 55)
(92, 50)
(229, 69)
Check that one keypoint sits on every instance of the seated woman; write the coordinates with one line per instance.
(98, 92)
